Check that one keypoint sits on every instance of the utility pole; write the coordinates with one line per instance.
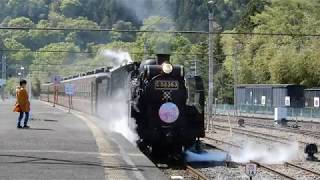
(3, 75)
(145, 47)
(235, 78)
(4, 68)
(211, 60)
(29, 85)
(22, 71)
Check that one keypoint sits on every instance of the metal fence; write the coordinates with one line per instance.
(307, 113)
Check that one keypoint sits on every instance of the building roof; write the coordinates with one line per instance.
(265, 85)
(313, 89)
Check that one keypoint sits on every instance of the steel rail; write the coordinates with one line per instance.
(303, 168)
(266, 166)
(197, 174)
(217, 140)
(268, 126)
(275, 171)
(296, 131)
(247, 132)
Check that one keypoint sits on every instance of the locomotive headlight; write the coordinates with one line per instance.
(169, 112)
(167, 68)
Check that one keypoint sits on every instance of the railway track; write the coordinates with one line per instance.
(186, 172)
(268, 125)
(287, 129)
(196, 173)
(271, 168)
(259, 135)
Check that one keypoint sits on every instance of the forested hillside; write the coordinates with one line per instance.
(260, 58)
(277, 58)
(43, 52)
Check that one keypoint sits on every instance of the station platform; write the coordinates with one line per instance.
(66, 146)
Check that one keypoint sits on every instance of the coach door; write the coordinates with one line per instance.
(102, 91)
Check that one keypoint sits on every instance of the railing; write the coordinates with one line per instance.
(267, 111)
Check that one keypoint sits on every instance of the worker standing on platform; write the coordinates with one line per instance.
(22, 105)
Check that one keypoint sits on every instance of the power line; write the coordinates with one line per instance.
(269, 34)
(47, 51)
(101, 30)
(76, 65)
(158, 31)
(92, 52)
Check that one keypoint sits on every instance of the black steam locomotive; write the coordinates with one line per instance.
(168, 107)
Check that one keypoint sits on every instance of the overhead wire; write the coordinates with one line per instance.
(91, 52)
(158, 31)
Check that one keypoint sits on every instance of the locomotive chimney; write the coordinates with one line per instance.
(161, 58)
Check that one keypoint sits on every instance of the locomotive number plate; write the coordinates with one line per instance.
(169, 85)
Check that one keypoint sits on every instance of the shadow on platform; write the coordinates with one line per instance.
(54, 161)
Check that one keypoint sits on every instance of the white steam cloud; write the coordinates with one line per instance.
(114, 112)
(114, 109)
(208, 156)
(117, 57)
(143, 9)
(266, 153)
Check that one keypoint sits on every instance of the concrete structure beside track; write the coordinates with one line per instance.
(67, 146)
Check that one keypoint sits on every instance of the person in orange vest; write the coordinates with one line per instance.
(22, 105)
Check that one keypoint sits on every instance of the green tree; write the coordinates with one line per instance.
(51, 62)
(123, 36)
(18, 53)
(223, 86)
(42, 38)
(82, 38)
(253, 8)
(71, 8)
(21, 22)
(156, 42)
(21, 36)
(11, 86)
(279, 59)
(33, 9)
